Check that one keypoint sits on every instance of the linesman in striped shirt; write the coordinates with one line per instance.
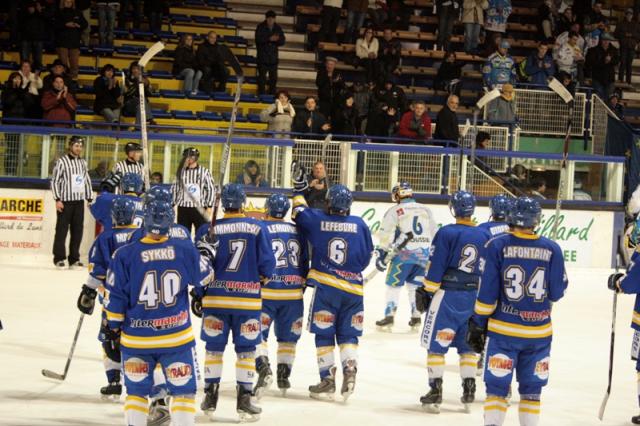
(71, 186)
(193, 191)
(132, 163)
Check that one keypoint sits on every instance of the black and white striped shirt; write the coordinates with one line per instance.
(127, 166)
(70, 181)
(194, 188)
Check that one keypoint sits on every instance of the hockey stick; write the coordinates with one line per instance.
(394, 251)
(567, 97)
(148, 55)
(482, 102)
(115, 152)
(50, 374)
(463, 135)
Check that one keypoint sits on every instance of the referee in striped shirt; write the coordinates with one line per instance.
(132, 163)
(71, 186)
(193, 191)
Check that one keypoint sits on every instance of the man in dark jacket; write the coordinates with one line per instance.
(212, 65)
(310, 120)
(628, 33)
(319, 184)
(69, 24)
(540, 66)
(389, 53)
(330, 85)
(269, 36)
(391, 95)
(33, 34)
(601, 63)
(447, 121)
(58, 69)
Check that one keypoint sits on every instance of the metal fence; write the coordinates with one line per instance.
(600, 113)
(544, 112)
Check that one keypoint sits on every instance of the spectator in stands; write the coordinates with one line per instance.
(100, 172)
(448, 12)
(58, 69)
(399, 14)
(482, 142)
(211, 64)
(449, 75)
(33, 33)
(252, 176)
(330, 17)
(628, 33)
(155, 10)
(392, 95)
(84, 7)
(367, 53)
(108, 95)
(33, 83)
(156, 179)
(383, 121)
(569, 55)
(580, 194)
(499, 68)
(388, 54)
(269, 36)
(518, 177)
(447, 121)
(107, 11)
(131, 104)
(616, 106)
(473, 20)
(377, 12)
(362, 99)
(538, 188)
(356, 12)
(279, 115)
(310, 120)
(343, 122)
(565, 21)
(136, 13)
(595, 25)
(601, 64)
(58, 103)
(185, 65)
(70, 24)
(547, 15)
(416, 124)
(319, 183)
(503, 108)
(15, 104)
(496, 21)
(539, 65)
(330, 86)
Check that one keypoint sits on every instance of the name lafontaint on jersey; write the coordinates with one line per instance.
(533, 253)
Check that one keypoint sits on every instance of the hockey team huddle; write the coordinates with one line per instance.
(485, 290)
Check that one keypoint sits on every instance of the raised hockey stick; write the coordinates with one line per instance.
(463, 134)
(394, 251)
(115, 152)
(482, 102)
(148, 55)
(50, 374)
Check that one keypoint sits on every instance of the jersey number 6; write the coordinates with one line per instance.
(338, 251)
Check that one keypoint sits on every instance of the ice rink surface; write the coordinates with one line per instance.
(37, 309)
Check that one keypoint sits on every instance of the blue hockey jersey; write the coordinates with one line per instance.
(176, 231)
(244, 260)
(148, 294)
(630, 284)
(494, 228)
(455, 256)
(102, 250)
(342, 247)
(523, 274)
(101, 209)
(292, 262)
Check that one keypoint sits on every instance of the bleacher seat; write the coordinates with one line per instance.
(160, 74)
(103, 50)
(179, 18)
(267, 99)
(81, 109)
(227, 22)
(201, 96)
(159, 113)
(208, 115)
(204, 20)
(254, 118)
(172, 94)
(222, 96)
(248, 98)
(183, 114)
(141, 34)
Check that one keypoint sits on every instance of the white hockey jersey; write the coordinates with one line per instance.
(408, 216)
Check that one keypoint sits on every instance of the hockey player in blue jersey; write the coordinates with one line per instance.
(163, 194)
(407, 218)
(342, 249)
(499, 205)
(148, 315)
(523, 274)
(233, 302)
(282, 304)
(123, 212)
(131, 186)
(448, 296)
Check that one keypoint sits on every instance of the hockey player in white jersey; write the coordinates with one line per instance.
(407, 220)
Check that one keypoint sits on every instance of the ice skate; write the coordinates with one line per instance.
(414, 323)
(265, 377)
(348, 382)
(468, 393)
(245, 408)
(210, 402)
(385, 324)
(111, 392)
(159, 414)
(431, 401)
(283, 372)
(326, 388)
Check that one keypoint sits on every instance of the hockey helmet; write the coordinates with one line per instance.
(525, 213)
(500, 205)
(462, 204)
(401, 190)
(339, 199)
(233, 196)
(131, 183)
(277, 205)
(158, 217)
(123, 211)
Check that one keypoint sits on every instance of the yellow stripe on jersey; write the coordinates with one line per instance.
(518, 330)
(430, 286)
(334, 282)
(167, 341)
(113, 316)
(484, 308)
(298, 201)
(240, 303)
(277, 294)
(636, 318)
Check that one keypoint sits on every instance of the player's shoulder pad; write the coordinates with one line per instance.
(497, 241)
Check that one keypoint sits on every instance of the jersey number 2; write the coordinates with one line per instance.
(151, 294)
(468, 259)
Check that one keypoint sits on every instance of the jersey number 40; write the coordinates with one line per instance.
(154, 291)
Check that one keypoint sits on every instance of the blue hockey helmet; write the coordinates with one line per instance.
(158, 217)
(500, 206)
(233, 196)
(401, 190)
(158, 193)
(525, 213)
(277, 205)
(131, 183)
(339, 199)
(462, 204)
(123, 211)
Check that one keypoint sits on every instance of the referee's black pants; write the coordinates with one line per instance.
(71, 218)
(190, 216)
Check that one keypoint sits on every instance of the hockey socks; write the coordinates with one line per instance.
(286, 353)
(435, 365)
(136, 410)
(393, 296)
(246, 369)
(326, 359)
(212, 367)
(183, 410)
(495, 410)
(529, 412)
(349, 355)
(468, 365)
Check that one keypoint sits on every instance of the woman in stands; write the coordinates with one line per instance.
(58, 103)
(69, 24)
(252, 176)
(108, 95)
(279, 115)
(185, 65)
(344, 120)
(367, 52)
(15, 104)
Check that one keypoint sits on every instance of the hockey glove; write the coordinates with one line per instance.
(423, 299)
(111, 344)
(476, 336)
(299, 177)
(87, 299)
(612, 282)
(208, 247)
(196, 303)
(110, 183)
(381, 260)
